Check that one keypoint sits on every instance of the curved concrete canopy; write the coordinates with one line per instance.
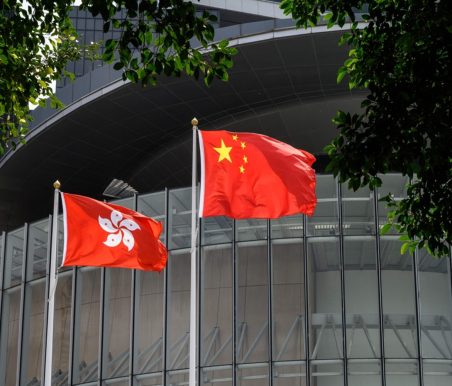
(283, 87)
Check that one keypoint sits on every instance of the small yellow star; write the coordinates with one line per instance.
(242, 145)
(223, 152)
(235, 137)
(245, 159)
(242, 169)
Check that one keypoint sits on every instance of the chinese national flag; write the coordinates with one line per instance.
(246, 175)
(106, 235)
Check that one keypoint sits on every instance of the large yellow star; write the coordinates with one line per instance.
(223, 152)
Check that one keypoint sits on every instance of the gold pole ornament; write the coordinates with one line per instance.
(57, 184)
(194, 122)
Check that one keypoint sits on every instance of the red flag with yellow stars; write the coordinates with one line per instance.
(247, 175)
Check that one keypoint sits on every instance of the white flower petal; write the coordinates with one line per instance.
(113, 240)
(106, 225)
(129, 224)
(128, 239)
(116, 217)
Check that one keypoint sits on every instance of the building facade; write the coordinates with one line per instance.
(318, 301)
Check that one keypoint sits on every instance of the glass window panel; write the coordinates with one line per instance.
(148, 380)
(38, 238)
(435, 306)
(394, 184)
(117, 322)
(116, 382)
(251, 229)
(437, 372)
(128, 202)
(178, 310)
(252, 303)
(177, 378)
(149, 321)
(364, 372)
(288, 299)
(399, 309)
(179, 218)
(33, 331)
(216, 306)
(9, 337)
(325, 221)
(153, 205)
(62, 324)
(86, 325)
(402, 372)
(14, 258)
(325, 307)
(216, 230)
(327, 373)
(287, 227)
(289, 374)
(217, 375)
(358, 211)
(255, 374)
(361, 297)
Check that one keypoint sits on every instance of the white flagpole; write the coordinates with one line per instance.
(52, 285)
(192, 367)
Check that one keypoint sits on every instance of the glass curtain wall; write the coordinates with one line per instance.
(317, 301)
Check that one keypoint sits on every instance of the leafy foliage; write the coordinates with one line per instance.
(158, 37)
(403, 56)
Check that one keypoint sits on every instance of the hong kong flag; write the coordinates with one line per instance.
(107, 235)
(247, 175)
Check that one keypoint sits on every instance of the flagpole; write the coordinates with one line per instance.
(192, 367)
(52, 284)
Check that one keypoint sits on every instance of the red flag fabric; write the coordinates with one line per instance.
(247, 175)
(107, 235)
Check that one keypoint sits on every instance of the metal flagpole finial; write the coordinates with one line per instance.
(194, 122)
(57, 184)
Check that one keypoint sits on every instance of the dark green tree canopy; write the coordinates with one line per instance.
(158, 37)
(403, 55)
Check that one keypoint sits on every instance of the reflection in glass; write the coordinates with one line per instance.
(178, 329)
(252, 374)
(116, 334)
(399, 310)
(9, 336)
(153, 205)
(216, 230)
(14, 258)
(361, 297)
(364, 372)
(251, 229)
(324, 298)
(62, 326)
(221, 375)
(38, 235)
(325, 221)
(148, 321)
(402, 372)
(288, 300)
(216, 305)
(86, 325)
(287, 227)
(289, 373)
(327, 373)
(179, 218)
(435, 305)
(437, 372)
(358, 212)
(252, 303)
(33, 328)
(155, 379)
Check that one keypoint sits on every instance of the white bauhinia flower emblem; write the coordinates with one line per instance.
(119, 229)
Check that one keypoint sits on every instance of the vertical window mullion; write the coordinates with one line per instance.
(379, 289)
(132, 309)
(102, 309)
(165, 293)
(270, 303)
(72, 326)
(418, 317)
(342, 273)
(306, 302)
(234, 305)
